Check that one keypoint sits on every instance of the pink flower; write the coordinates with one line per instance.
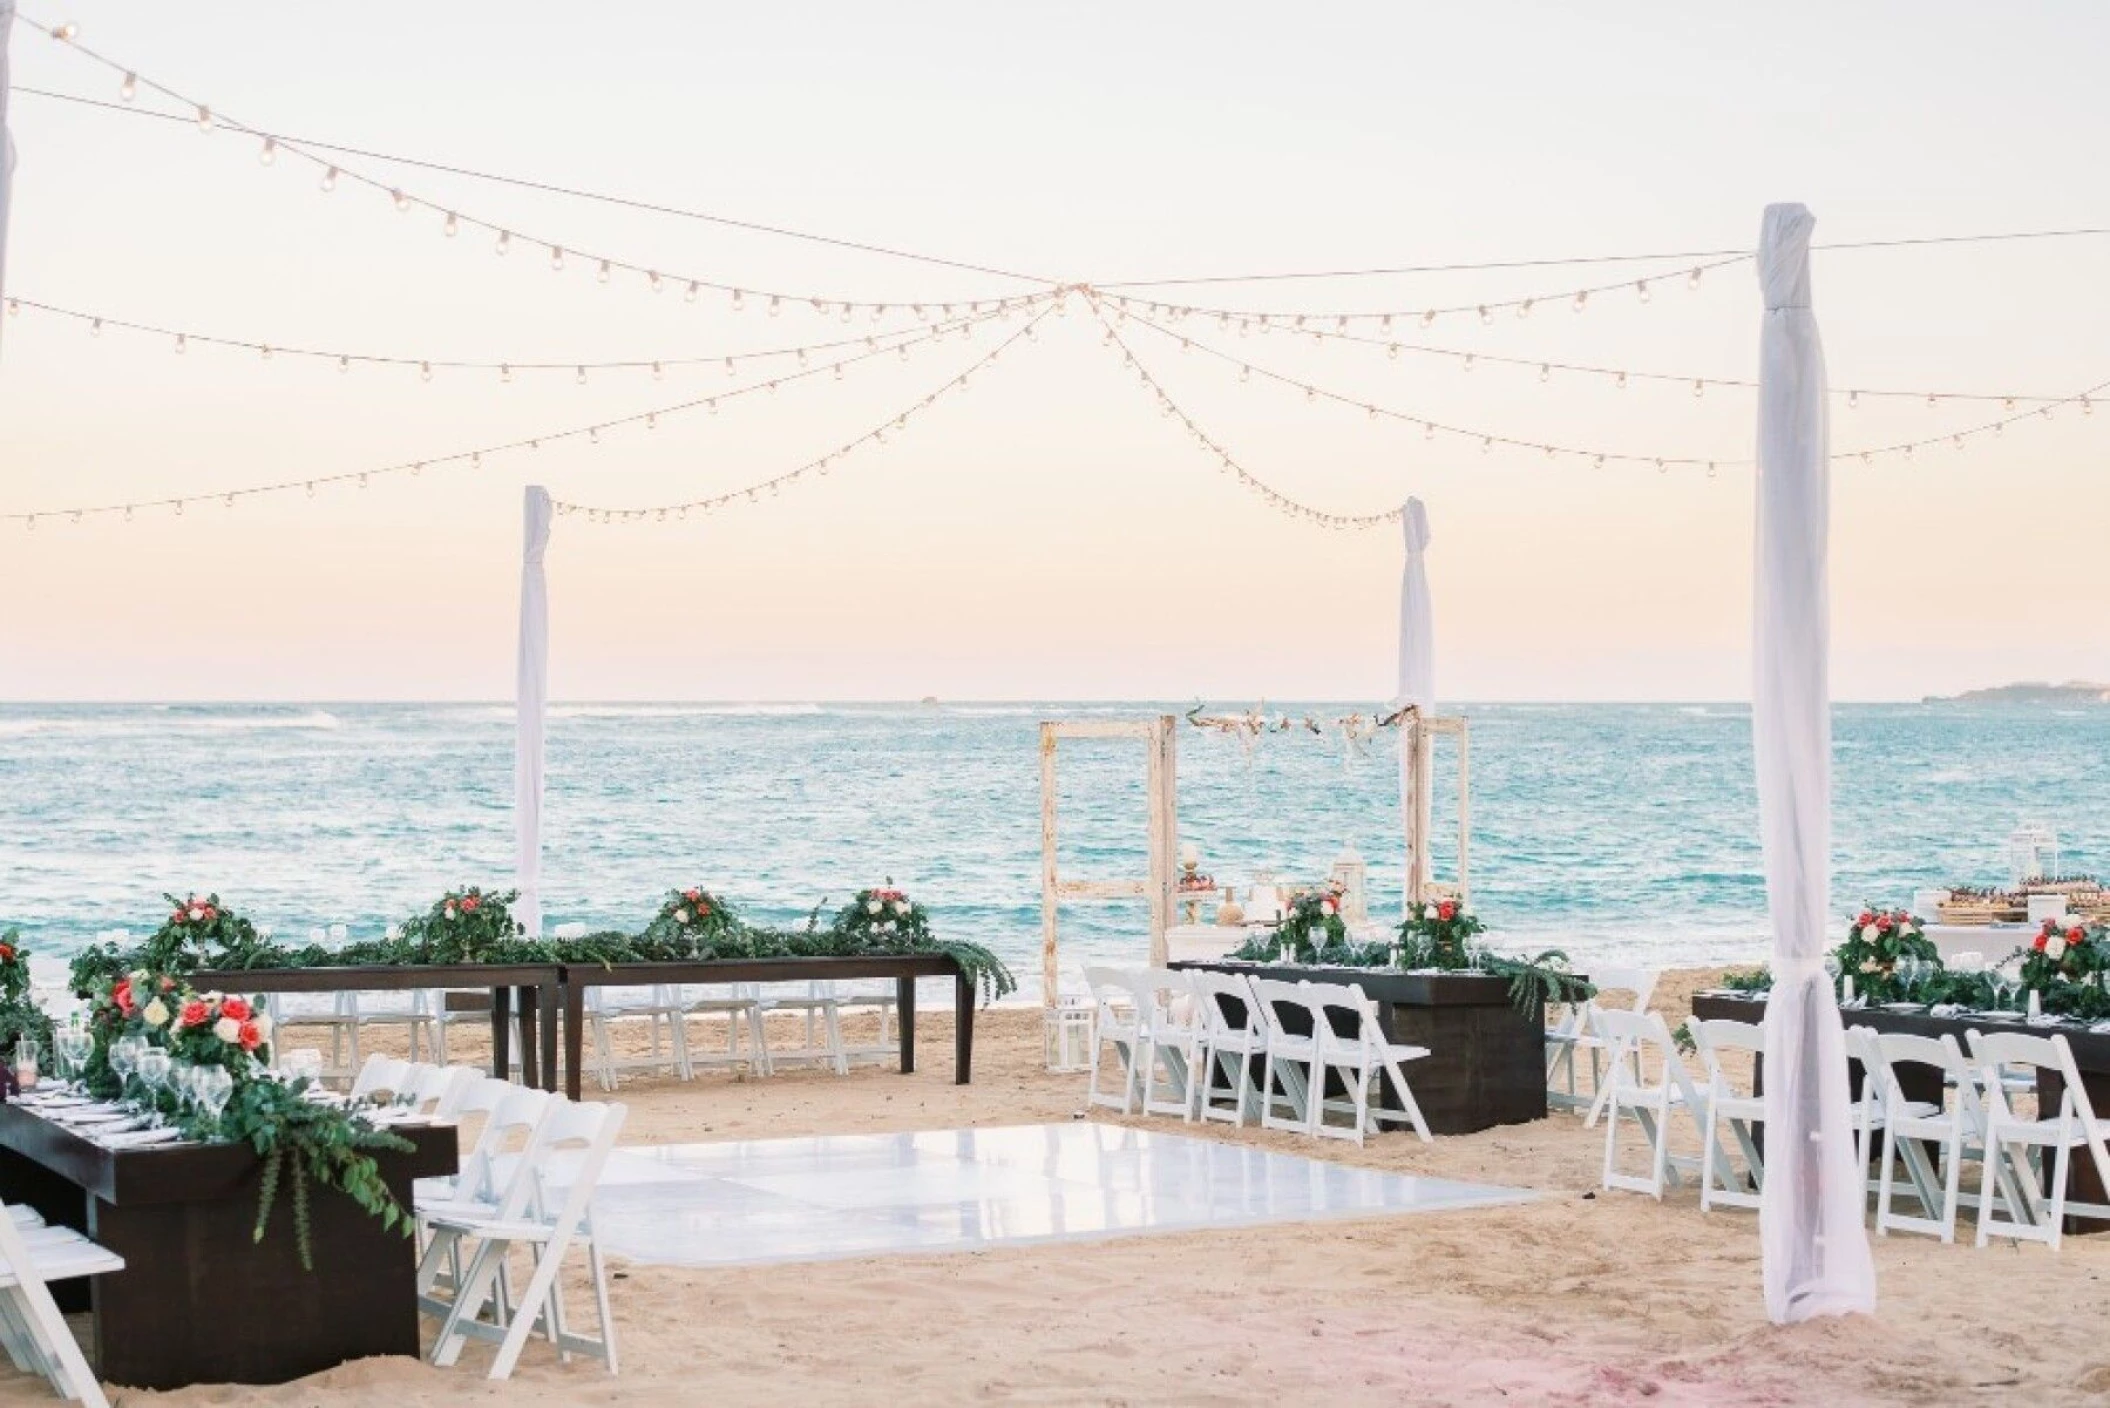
(236, 1008)
(251, 1037)
(193, 1014)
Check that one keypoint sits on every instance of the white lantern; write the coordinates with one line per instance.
(1066, 1031)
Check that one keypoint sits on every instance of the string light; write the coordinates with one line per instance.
(267, 153)
(329, 180)
(590, 432)
(751, 493)
(450, 227)
(129, 89)
(204, 118)
(97, 323)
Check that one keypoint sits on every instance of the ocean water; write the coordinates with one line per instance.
(1609, 830)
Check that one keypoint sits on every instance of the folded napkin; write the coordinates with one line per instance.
(138, 1138)
(1946, 1009)
(2100, 1027)
(2046, 1019)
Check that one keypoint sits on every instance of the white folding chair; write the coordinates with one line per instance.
(1360, 1057)
(1574, 1032)
(883, 1003)
(379, 1074)
(1119, 1025)
(1229, 1045)
(656, 1004)
(1956, 1134)
(440, 1091)
(1164, 1001)
(534, 1217)
(822, 1009)
(740, 1004)
(1724, 1102)
(1292, 1066)
(2015, 1147)
(1632, 1039)
(32, 1330)
(512, 1114)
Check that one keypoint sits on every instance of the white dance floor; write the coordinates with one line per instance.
(815, 1199)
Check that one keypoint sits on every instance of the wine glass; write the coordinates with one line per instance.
(215, 1085)
(124, 1059)
(153, 1065)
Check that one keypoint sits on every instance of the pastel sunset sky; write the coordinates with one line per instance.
(1047, 533)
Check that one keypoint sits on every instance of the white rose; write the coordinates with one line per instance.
(681, 916)
(873, 906)
(228, 1030)
(156, 1013)
(391, 933)
(196, 914)
(901, 907)
(887, 928)
(2055, 948)
(450, 911)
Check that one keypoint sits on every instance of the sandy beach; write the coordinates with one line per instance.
(1580, 1297)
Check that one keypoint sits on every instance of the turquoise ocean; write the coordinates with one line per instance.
(1605, 829)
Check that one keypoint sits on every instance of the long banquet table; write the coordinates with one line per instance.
(904, 969)
(199, 1300)
(1487, 1061)
(534, 988)
(2091, 1057)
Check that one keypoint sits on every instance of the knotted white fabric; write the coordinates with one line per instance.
(1417, 679)
(7, 139)
(531, 705)
(1816, 1255)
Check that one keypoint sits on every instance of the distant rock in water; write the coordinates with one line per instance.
(2072, 692)
(929, 701)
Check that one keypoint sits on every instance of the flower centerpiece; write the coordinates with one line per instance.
(689, 923)
(468, 925)
(199, 932)
(1439, 934)
(299, 1141)
(1312, 931)
(20, 1017)
(1875, 941)
(884, 918)
(2068, 966)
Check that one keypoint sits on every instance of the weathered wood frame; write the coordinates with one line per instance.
(1161, 788)
(1419, 736)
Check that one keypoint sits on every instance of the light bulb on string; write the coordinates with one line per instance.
(505, 241)
(95, 327)
(129, 89)
(1853, 400)
(658, 372)
(424, 371)
(266, 351)
(402, 201)
(2087, 406)
(1524, 308)
(1545, 372)
(267, 153)
(1428, 318)
(1692, 280)
(775, 305)
(1641, 289)
(1699, 387)
(1582, 300)
(328, 182)
(505, 372)
(1933, 399)
(689, 296)
(1620, 381)
(344, 364)
(182, 344)
(450, 227)
(1486, 317)
(1467, 362)
(1428, 430)
(556, 259)
(204, 118)
(604, 272)
(729, 368)
(652, 280)
(1487, 443)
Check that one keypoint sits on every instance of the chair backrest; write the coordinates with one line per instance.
(1994, 1050)
(1167, 995)
(1641, 982)
(1635, 1032)
(587, 1126)
(512, 1128)
(1110, 992)
(380, 1073)
(1216, 990)
(1271, 995)
(440, 1090)
(1894, 1049)
(1717, 1035)
(1324, 999)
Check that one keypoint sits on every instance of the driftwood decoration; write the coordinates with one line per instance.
(1161, 758)
(1416, 798)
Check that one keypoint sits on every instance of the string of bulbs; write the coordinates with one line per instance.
(454, 219)
(2084, 400)
(181, 340)
(1619, 377)
(1273, 497)
(775, 483)
(474, 458)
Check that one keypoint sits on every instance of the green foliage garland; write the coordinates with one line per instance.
(20, 1017)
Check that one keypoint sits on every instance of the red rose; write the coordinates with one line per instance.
(194, 1014)
(236, 1008)
(692, 894)
(1866, 918)
(7, 953)
(2042, 939)
(2076, 934)
(168, 984)
(1446, 910)
(250, 1037)
(469, 905)
(702, 909)
(176, 918)
(121, 994)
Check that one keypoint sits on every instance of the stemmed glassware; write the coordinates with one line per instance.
(124, 1058)
(153, 1066)
(214, 1086)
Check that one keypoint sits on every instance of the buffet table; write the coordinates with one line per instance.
(199, 1300)
(1487, 1061)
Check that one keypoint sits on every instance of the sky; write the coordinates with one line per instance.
(1045, 532)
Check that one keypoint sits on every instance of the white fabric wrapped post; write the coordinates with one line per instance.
(1816, 1255)
(7, 139)
(1417, 686)
(532, 702)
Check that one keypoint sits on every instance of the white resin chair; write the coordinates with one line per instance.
(439, 1091)
(380, 1074)
(740, 1005)
(1633, 1040)
(1572, 1033)
(1165, 1003)
(1117, 1024)
(1956, 1134)
(1727, 1103)
(1360, 1058)
(1292, 1068)
(32, 1329)
(2015, 1147)
(1229, 1046)
(658, 1005)
(822, 1010)
(533, 1215)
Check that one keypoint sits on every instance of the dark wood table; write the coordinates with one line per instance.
(1487, 1061)
(904, 969)
(2091, 1057)
(198, 1300)
(535, 987)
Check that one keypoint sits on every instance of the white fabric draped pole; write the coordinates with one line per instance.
(7, 139)
(531, 705)
(1817, 1260)
(1417, 686)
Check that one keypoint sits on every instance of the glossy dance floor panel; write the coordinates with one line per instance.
(833, 1196)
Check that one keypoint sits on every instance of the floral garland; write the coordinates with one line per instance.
(1312, 931)
(693, 916)
(20, 1017)
(290, 1133)
(1434, 934)
(2068, 966)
